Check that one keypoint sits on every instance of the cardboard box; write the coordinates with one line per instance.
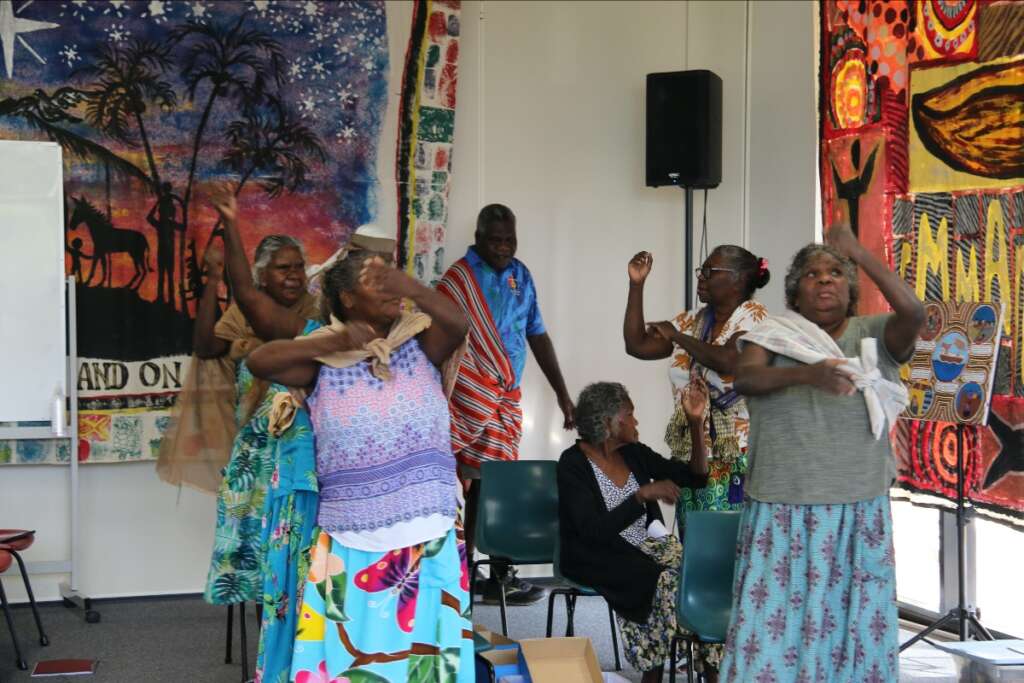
(501, 661)
(559, 660)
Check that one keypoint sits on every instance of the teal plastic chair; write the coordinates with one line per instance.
(704, 600)
(572, 590)
(517, 517)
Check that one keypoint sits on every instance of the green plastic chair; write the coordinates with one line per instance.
(704, 600)
(572, 590)
(517, 517)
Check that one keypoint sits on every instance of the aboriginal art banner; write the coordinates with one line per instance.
(921, 130)
(300, 108)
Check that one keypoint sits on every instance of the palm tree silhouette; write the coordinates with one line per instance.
(272, 144)
(125, 80)
(44, 111)
(239, 64)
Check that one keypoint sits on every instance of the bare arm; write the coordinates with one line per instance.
(695, 401)
(640, 342)
(269, 319)
(292, 362)
(903, 328)
(204, 343)
(721, 359)
(755, 377)
(544, 352)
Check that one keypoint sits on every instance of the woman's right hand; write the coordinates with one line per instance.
(663, 490)
(640, 267)
(223, 200)
(831, 378)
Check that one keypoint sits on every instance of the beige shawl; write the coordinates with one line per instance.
(197, 443)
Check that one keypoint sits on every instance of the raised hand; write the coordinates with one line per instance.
(841, 237)
(640, 267)
(213, 262)
(831, 378)
(695, 399)
(387, 280)
(223, 200)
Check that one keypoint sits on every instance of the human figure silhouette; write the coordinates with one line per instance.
(76, 258)
(164, 217)
(852, 189)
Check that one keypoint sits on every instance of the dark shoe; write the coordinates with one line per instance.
(517, 592)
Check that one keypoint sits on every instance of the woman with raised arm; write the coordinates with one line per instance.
(815, 591)
(387, 587)
(702, 344)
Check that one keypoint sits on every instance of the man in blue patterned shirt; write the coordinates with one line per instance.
(499, 297)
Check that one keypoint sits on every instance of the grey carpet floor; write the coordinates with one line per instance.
(181, 639)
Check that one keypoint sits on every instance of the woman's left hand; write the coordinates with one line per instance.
(841, 237)
(663, 329)
(695, 400)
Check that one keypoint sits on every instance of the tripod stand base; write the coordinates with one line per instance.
(967, 619)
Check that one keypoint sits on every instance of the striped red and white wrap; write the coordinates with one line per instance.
(487, 420)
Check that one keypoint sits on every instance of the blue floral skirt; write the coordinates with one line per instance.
(396, 616)
(814, 597)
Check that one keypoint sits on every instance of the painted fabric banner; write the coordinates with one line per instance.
(153, 102)
(921, 117)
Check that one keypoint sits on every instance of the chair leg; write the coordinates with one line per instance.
(231, 625)
(10, 625)
(615, 638)
(43, 640)
(690, 662)
(570, 615)
(504, 607)
(259, 616)
(673, 660)
(551, 610)
(245, 642)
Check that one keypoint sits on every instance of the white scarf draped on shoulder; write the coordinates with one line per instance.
(796, 337)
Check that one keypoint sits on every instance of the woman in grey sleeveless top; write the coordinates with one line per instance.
(814, 597)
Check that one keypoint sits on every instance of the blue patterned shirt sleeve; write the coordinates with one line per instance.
(512, 299)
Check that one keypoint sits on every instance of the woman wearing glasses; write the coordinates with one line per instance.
(702, 344)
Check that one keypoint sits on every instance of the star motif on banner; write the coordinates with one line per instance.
(11, 28)
(1010, 459)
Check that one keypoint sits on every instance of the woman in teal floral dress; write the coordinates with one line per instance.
(266, 504)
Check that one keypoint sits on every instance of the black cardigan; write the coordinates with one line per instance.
(592, 551)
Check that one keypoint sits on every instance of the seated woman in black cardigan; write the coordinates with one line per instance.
(613, 538)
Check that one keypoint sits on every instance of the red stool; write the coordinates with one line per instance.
(12, 543)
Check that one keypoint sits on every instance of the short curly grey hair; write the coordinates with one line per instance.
(799, 266)
(597, 402)
(268, 246)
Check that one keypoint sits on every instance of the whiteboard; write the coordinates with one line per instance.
(32, 307)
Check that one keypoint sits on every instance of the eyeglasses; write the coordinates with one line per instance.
(705, 272)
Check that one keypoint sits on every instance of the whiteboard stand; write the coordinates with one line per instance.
(69, 590)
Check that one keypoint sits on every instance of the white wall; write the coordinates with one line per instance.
(550, 122)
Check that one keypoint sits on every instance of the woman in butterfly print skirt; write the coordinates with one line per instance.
(386, 595)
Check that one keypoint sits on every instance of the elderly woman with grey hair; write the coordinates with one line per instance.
(814, 596)
(613, 537)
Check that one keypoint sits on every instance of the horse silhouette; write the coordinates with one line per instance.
(107, 240)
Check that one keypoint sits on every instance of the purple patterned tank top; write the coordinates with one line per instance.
(383, 448)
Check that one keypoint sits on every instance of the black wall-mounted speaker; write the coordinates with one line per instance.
(684, 129)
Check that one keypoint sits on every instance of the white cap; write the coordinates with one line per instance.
(373, 238)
